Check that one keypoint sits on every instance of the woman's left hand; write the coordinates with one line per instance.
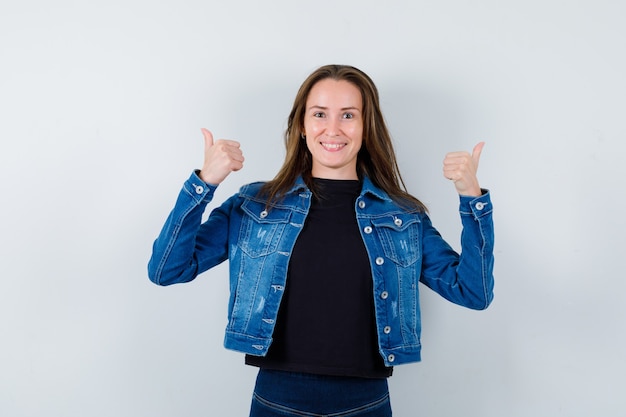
(461, 167)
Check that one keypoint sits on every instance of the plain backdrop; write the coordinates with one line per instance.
(101, 105)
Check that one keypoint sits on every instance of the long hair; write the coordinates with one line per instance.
(376, 158)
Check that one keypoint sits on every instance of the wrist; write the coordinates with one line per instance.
(474, 192)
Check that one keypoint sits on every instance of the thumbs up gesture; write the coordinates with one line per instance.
(221, 157)
(461, 168)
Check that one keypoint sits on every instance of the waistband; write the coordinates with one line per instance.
(319, 395)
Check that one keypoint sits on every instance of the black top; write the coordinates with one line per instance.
(326, 323)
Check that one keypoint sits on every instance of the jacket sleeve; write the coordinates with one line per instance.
(465, 279)
(187, 247)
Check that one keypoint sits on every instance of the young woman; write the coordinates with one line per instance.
(325, 259)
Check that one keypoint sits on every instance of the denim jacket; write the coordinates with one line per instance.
(402, 245)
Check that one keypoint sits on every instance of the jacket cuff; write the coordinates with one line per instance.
(476, 206)
(198, 189)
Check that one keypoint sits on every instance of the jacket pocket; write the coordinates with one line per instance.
(399, 236)
(261, 229)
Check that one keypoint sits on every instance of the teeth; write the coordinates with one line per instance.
(332, 145)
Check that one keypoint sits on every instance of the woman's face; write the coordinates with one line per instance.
(333, 125)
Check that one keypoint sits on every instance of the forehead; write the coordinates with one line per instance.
(329, 92)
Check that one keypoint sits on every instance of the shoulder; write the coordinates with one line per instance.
(381, 201)
(251, 190)
(258, 191)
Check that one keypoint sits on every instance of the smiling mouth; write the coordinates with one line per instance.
(332, 146)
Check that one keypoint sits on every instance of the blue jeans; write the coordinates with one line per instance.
(283, 394)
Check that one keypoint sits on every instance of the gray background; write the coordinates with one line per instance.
(101, 105)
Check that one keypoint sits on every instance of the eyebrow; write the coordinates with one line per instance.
(326, 108)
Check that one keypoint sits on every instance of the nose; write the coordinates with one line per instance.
(332, 126)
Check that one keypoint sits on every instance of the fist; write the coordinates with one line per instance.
(461, 168)
(221, 157)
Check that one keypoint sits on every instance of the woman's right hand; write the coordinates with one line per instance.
(220, 158)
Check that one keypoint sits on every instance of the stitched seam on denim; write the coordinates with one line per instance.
(248, 314)
(347, 413)
(400, 309)
(283, 408)
(170, 244)
(367, 407)
(483, 262)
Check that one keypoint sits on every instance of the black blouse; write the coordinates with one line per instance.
(326, 323)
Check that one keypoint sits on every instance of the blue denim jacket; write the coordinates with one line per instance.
(403, 248)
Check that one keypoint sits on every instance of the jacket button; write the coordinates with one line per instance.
(199, 189)
(367, 229)
(387, 329)
(391, 357)
(384, 295)
(362, 204)
(480, 205)
(398, 222)
(263, 214)
(380, 261)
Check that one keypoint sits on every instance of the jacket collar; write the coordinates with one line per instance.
(368, 187)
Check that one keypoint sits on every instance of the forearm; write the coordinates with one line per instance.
(475, 270)
(174, 258)
(465, 279)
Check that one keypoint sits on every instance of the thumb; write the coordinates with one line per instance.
(208, 138)
(476, 153)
